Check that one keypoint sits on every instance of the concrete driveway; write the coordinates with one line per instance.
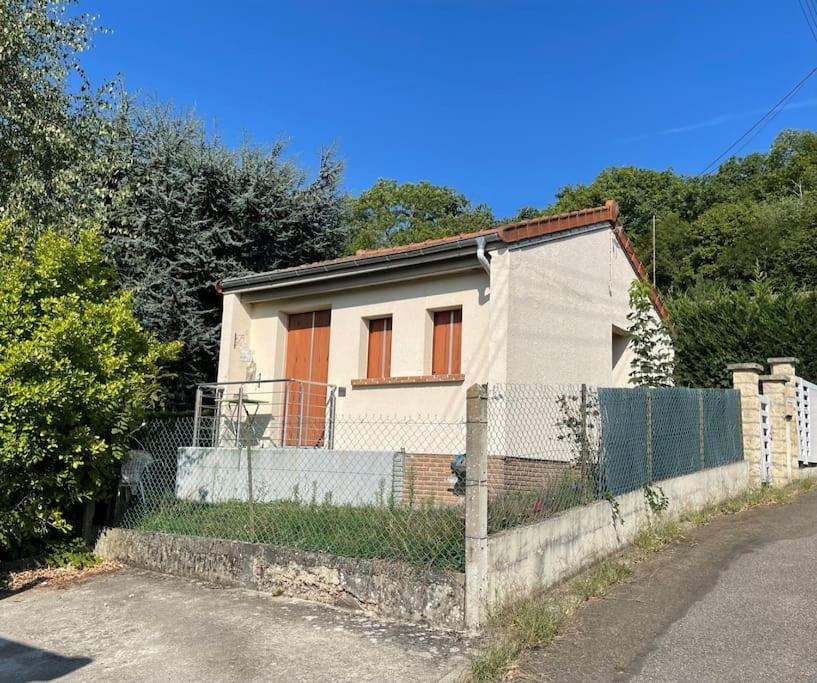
(737, 602)
(139, 626)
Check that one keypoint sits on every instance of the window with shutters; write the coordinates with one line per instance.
(447, 342)
(379, 359)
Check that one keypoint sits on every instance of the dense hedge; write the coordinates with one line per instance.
(716, 326)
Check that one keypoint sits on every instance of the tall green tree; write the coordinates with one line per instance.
(391, 213)
(77, 372)
(53, 122)
(190, 211)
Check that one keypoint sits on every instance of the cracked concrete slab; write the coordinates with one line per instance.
(136, 625)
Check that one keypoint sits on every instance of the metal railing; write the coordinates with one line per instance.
(272, 413)
(806, 393)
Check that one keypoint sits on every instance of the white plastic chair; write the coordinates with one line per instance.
(133, 471)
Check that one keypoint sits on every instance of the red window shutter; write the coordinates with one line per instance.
(456, 342)
(379, 356)
(447, 343)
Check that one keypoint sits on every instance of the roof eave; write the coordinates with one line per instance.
(361, 265)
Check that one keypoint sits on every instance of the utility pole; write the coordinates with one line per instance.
(653, 249)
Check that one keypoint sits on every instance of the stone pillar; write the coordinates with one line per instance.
(774, 389)
(476, 505)
(787, 368)
(745, 380)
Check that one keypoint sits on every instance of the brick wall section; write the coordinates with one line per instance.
(425, 479)
(428, 473)
(524, 475)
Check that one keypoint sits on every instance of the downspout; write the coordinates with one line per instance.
(483, 260)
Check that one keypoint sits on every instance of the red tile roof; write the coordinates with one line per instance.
(515, 232)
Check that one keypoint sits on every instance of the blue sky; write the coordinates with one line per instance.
(505, 101)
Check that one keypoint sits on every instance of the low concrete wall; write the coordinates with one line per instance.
(386, 588)
(541, 555)
(216, 475)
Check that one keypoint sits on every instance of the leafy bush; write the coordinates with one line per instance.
(76, 373)
(715, 326)
(71, 554)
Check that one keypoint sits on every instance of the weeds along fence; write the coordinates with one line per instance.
(393, 488)
(565, 446)
(378, 497)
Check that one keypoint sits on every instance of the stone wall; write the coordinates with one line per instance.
(382, 587)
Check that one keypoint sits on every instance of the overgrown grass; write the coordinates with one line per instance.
(596, 581)
(426, 535)
(534, 620)
(658, 536)
(509, 509)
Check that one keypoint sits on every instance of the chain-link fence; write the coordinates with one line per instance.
(393, 487)
(389, 492)
(555, 447)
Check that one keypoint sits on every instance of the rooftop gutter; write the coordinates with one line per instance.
(364, 264)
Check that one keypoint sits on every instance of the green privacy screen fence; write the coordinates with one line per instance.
(653, 434)
(560, 446)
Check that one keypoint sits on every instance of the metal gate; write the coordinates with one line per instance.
(765, 440)
(806, 407)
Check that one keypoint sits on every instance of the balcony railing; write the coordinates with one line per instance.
(272, 413)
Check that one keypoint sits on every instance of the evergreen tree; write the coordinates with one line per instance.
(189, 211)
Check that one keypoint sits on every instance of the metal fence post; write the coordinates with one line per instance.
(585, 445)
(197, 416)
(701, 430)
(250, 498)
(476, 505)
(648, 432)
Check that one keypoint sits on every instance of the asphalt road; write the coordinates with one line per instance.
(736, 602)
(140, 626)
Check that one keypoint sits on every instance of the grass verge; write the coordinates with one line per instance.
(536, 619)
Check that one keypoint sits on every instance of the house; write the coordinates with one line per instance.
(403, 331)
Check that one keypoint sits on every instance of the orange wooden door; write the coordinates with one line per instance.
(307, 359)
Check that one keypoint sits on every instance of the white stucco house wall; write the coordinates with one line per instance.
(369, 352)
(538, 301)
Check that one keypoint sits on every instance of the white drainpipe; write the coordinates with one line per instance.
(483, 260)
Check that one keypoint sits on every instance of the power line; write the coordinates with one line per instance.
(808, 14)
(779, 106)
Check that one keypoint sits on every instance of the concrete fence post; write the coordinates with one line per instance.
(745, 377)
(476, 505)
(787, 367)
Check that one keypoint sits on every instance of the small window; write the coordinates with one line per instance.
(447, 351)
(379, 363)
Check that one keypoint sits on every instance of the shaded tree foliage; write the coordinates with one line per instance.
(190, 211)
(716, 325)
(53, 122)
(391, 213)
(757, 212)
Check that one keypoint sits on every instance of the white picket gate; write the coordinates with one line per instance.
(806, 408)
(765, 440)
